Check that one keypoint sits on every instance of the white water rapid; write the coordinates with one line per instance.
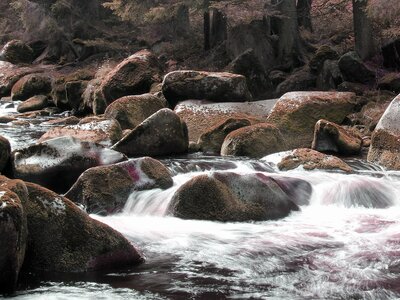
(338, 247)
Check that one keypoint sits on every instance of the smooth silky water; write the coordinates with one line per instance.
(330, 249)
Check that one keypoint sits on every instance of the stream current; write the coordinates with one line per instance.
(333, 248)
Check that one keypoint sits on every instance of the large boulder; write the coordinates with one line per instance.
(13, 232)
(33, 103)
(300, 80)
(163, 133)
(353, 68)
(201, 85)
(103, 131)
(57, 163)
(63, 238)
(248, 65)
(31, 85)
(330, 137)
(310, 159)
(10, 74)
(133, 76)
(5, 151)
(296, 113)
(385, 141)
(254, 141)
(200, 117)
(130, 111)
(16, 52)
(105, 189)
(212, 140)
(231, 197)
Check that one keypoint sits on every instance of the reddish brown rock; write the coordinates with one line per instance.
(200, 117)
(330, 137)
(211, 141)
(130, 111)
(34, 103)
(163, 133)
(133, 76)
(390, 82)
(231, 197)
(5, 151)
(385, 140)
(31, 85)
(105, 189)
(296, 113)
(13, 232)
(63, 238)
(310, 159)
(253, 141)
(104, 132)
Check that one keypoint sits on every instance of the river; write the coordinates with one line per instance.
(340, 246)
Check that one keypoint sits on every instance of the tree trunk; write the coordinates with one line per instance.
(290, 48)
(364, 41)
(206, 24)
(304, 14)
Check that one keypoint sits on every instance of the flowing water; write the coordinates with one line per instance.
(337, 247)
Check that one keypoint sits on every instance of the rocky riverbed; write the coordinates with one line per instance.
(127, 147)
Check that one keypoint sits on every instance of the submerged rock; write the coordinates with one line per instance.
(296, 113)
(13, 232)
(130, 111)
(201, 85)
(385, 140)
(330, 137)
(105, 189)
(253, 141)
(310, 159)
(163, 133)
(57, 163)
(63, 238)
(231, 197)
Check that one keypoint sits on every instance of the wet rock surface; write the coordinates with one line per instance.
(57, 163)
(63, 238)
(13, 232)
(105, 189)
(231, 197)
(310, 159)
(101, 131)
